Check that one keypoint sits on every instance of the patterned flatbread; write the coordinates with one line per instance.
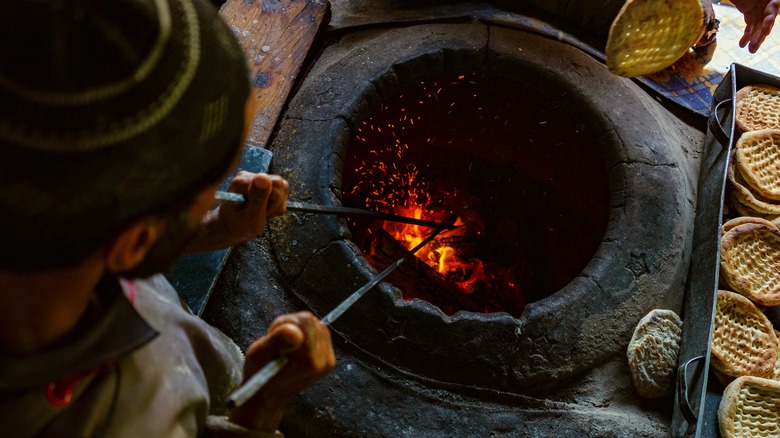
(757, 158)
(750, 408)
(775, 374)
(747, 197)
(650, 35)
(758, 107)
(652, 353)
(743, 341)
(750, 262)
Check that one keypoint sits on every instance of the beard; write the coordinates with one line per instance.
(163, 253)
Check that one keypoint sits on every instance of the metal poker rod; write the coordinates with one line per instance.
(237, 198)
(259, 379)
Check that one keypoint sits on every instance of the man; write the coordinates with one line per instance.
(117, 122)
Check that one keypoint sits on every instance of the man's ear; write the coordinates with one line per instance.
(130, 246)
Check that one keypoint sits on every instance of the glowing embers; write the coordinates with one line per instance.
(513, 163)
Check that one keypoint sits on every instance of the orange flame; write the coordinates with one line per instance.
(399, 191)
(438, 254)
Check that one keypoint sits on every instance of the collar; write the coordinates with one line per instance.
(114, 331)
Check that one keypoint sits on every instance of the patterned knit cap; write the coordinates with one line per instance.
(109, 111)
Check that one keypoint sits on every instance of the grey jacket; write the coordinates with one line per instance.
(140, 365)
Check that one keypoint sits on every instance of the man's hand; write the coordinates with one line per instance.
(759, 19)
(306, 341)
(228, 225)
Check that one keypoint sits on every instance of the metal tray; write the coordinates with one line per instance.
(698, 395)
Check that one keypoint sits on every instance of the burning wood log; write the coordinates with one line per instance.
(416, 278)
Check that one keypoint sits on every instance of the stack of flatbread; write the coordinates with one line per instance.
(754, 175)
(754, 169)
(745, 350)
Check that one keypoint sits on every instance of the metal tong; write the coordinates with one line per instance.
(259, 379)
(237, 198)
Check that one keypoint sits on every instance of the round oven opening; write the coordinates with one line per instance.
(640, 262)
(511, 162)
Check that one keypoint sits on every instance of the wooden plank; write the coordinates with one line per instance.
(276, 36)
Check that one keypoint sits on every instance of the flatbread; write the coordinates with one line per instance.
(731, 223)
(743, 341)
(652, 353)
(757, 157)
(748, 197)
(758, 107)
(649, 35)
(744, 210)
(750, 408)
(750, 262)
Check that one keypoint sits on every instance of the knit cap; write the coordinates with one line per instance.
(109, 111)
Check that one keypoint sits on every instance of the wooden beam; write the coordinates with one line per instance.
(276, 36)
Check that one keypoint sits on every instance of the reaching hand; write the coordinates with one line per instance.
(306, 341)
(228, 225)
(759, 19)
(266, 197)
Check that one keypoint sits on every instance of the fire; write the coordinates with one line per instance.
(392, 185)
(465, 147)
(439, 255)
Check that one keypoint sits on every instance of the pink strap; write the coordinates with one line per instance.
(60, 393)
(130, 288)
